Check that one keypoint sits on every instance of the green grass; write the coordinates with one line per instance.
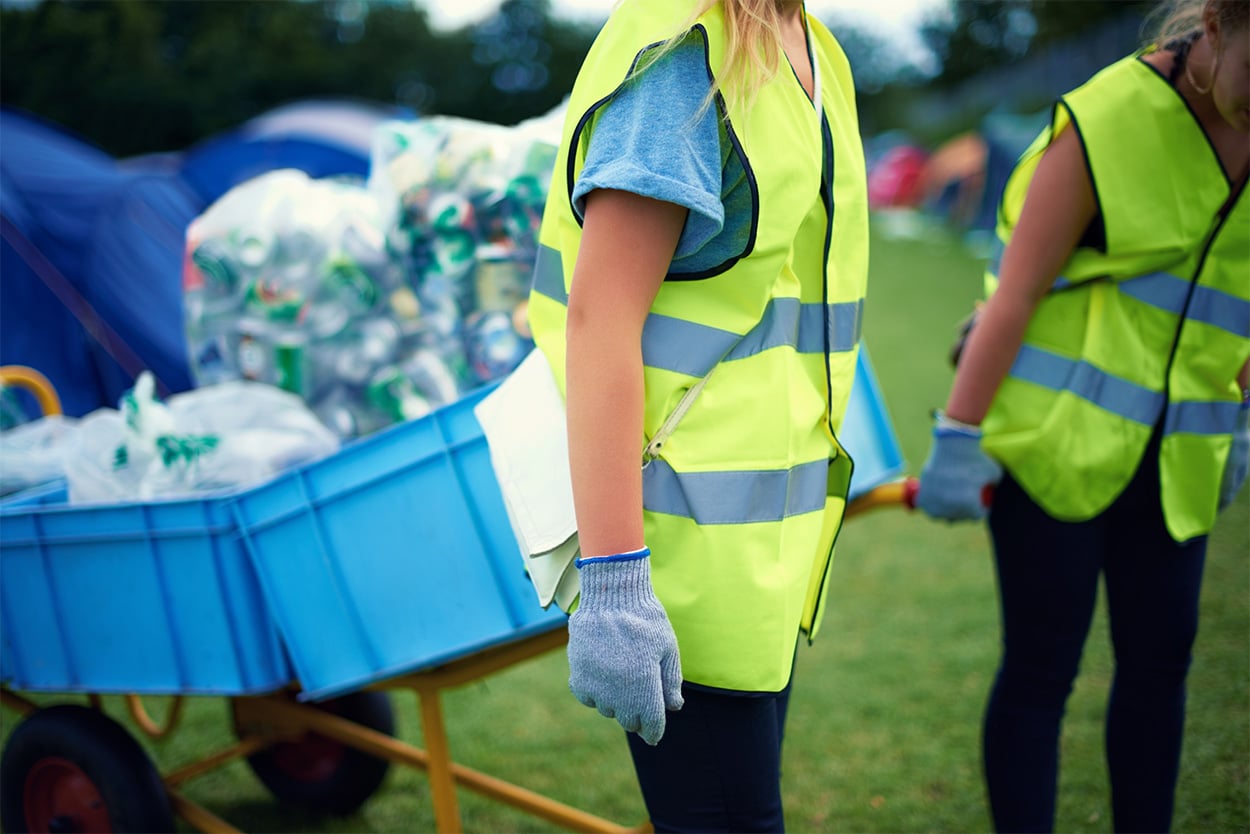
(884, 723)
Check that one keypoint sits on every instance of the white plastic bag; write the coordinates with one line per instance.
(219, 437)
(34, 453)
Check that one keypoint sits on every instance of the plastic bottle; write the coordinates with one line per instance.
(431, 377)
(393, 393)
(270, 353)
(502, 278)
(493, 345)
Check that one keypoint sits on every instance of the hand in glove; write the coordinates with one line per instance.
(956, 474)
(1238, 457)
(622, 651)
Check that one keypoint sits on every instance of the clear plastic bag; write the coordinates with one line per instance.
(219, 437)
(34, 453)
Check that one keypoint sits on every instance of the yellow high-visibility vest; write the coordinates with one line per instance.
(742, 505)
(1149, 331)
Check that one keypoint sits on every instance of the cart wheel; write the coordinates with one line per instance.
(71, 768)
(322, 774)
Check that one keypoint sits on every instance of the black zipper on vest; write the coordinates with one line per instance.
(826, 197)
(1221, 217)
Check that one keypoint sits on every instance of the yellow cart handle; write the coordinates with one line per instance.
(34, 382)
(901, 493)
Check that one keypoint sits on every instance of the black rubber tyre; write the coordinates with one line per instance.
(69, 768)
(324, 775)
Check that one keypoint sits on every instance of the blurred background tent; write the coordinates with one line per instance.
(963, 177)
(91, 247)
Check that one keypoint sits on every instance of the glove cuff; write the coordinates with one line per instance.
(633, 555)
(619, 583)
(949, 425)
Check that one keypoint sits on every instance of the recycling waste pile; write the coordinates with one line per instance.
(340, 332)
(378, 301)
(325, 309)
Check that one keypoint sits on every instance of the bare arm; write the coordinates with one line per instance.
(627, 245)
(1059, 206)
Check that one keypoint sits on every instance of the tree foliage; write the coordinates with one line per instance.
(137, 77)
(980, 34)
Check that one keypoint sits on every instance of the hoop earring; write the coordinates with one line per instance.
(1189, 73)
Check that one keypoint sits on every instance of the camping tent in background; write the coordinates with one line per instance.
(896, 180)
(319, 137)
(91, 247)
(964, 177)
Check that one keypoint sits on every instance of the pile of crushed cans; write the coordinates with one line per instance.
(375, 300)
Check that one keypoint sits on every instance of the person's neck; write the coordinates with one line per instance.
(790, 12)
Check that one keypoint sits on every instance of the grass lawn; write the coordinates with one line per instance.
(884, 723)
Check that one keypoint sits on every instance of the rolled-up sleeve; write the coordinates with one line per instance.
(655, 138)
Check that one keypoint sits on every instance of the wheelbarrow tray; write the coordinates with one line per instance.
(148, 598)
(391, 556)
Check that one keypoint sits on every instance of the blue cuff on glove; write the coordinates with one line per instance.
(956, 473)
(631, 556)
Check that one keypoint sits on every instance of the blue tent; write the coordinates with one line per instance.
(91, 248)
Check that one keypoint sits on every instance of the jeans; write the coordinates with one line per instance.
(718, 766)
(1048, 573)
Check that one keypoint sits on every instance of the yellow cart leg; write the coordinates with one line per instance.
(442, 782)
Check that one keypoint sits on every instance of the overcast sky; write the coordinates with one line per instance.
(895, 19)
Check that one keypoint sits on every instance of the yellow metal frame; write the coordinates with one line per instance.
(268, 719)
(36, 383)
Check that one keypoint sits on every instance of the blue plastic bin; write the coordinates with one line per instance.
(867, 433)
(392, 555)
(396, 554)
(146, 598)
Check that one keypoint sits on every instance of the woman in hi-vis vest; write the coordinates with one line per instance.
(702, 265)
(1105, 379)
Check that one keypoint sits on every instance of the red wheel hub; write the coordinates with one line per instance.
(314, 758)
(60, 797)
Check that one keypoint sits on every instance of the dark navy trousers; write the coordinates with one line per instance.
(1048, 575)
(718, 766)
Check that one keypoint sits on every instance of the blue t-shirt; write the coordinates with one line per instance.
(652, 138)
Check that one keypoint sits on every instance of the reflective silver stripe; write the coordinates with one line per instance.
(683, 346)
(740, 497)
(1158, 289)
(674, 344)
(687, 347)
(1110, 393)
(787, 323)
(1168, 292)
(549, 274)
(1201, 417)
(846, 323)
(1222, 310)
(1209, 305)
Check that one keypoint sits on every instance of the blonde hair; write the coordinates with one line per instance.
(753, 51)
(1181, 18)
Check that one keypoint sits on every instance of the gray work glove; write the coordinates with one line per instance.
(622, 651)
(957, 477)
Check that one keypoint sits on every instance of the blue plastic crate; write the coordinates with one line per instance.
(146, 598)
(867, 433)
(393, 555)
(396, 554)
